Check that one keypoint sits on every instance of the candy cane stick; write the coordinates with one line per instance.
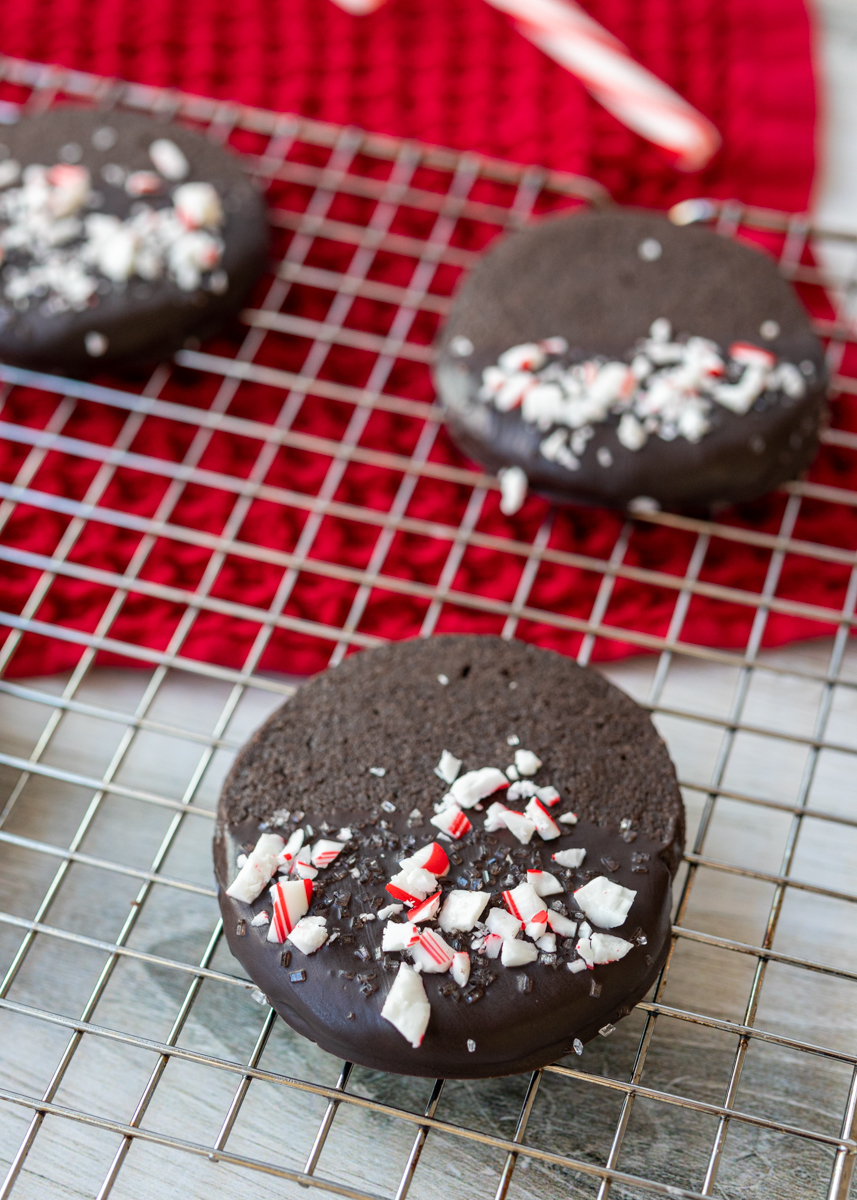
(632, 94)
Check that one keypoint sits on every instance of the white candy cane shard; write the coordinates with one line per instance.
(431, 858)
(305, 871)
(568, 818)
(198, 206)
(561, 925)
(469, 789)
(605, 903)
(503, 924)
(291, 901)
(261, 918)
(492, 945)
(526, 762)
(547, 942)
(259, 868)
(602, 948)
(513, 485)
(500, 817)
(412, 885)
(576, 966)
(345, 834)
(518, 954)
(324, 852)
(544, 884)
(452, 821)
(169, 159)
(538, 926)
(309, 934)
(461, 910)
(432, 953)
(548, 795)
(569, 858)
(546, 826)
(747, 354)
(523, 902)
(460, 969)
(523, 789)
(390, 911)
(426, 910)
(448, 767)
(399, 935)
(407, 1007)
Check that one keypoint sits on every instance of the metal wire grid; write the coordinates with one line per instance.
(38, 87)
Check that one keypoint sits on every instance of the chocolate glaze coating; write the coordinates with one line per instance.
(141, 320)
(582, 277)
(386, 708)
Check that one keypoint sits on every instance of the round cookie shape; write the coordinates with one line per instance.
(121, 236)
(353, 755)
(645, 363)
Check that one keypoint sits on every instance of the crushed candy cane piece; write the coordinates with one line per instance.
(452, 821)
(523, 902)
(411, 885)
(380, 772)
(546, 826)
(291, 900)
(261, 918)
(169, 159)
(460, 969)
(605, 903)
(471, 1046)
(399, 935)
(526, 762)
(426, 910)
(461, 910)
(538, 926)
(500, 817)
(432, 953)
(576, 966)
(309, 934)
(492, 945)
(259, 868)
(518, 953)
(390, 911)
(512, 773)
(407, 1007)
(504, 924)
(305, 871)
(564, 926)
(345, 834)
(569, 858)
(602, 948)
(240, 861)
(469, 789)
(548, 795)
(544, 883)
(324, 852)
(431, 858)
(448, 767)
(547, 943)
(568, 818)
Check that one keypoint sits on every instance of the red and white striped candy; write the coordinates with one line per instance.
(538, 926)
(303, 870)
(431, 858)
(426, 909)
(632, 94)
(469, 789)
(544, 883)
(546, 826)
(432, 953)
(286, 857)
(452, 821)
(524, 902)
(324, 852)
(492, 945)
(399, 935)
(291, 901)
(412, 885)
(562, 925)
(259, 866)
(749, 355)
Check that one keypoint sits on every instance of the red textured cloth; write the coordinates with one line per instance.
(459, 74)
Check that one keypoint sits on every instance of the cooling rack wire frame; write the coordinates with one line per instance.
(327, 163)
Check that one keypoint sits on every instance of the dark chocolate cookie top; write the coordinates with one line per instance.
(349, 765)
(612, 355)
(121, 236)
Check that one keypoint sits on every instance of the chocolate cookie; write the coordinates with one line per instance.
(451, 857)
(121, 237)
(614, 358)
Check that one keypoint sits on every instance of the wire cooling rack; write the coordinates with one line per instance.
(135, 1059)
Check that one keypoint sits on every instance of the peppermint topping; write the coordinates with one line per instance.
(570, 858)
(448, 767)
(257, 870)
(431, 953)
(605, 903)
(427, 910)
(309, 934)
(562, 925)
(526, 763)
(460, 968)
(452, 821)
(602, 948)
(546, 826)
(461, 910)
(411, 885)
(407, 1007)
(60, 254)
(504, 924)
(291, 901)
(469, 789)
(667, 387)
(543, 883)
(518, 953)
(324, 852)
(523, 902)
(399, 935)
(168, 159)
(431, 858)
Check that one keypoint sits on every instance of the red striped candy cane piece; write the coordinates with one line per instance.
(426, 909)
(291, 900)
